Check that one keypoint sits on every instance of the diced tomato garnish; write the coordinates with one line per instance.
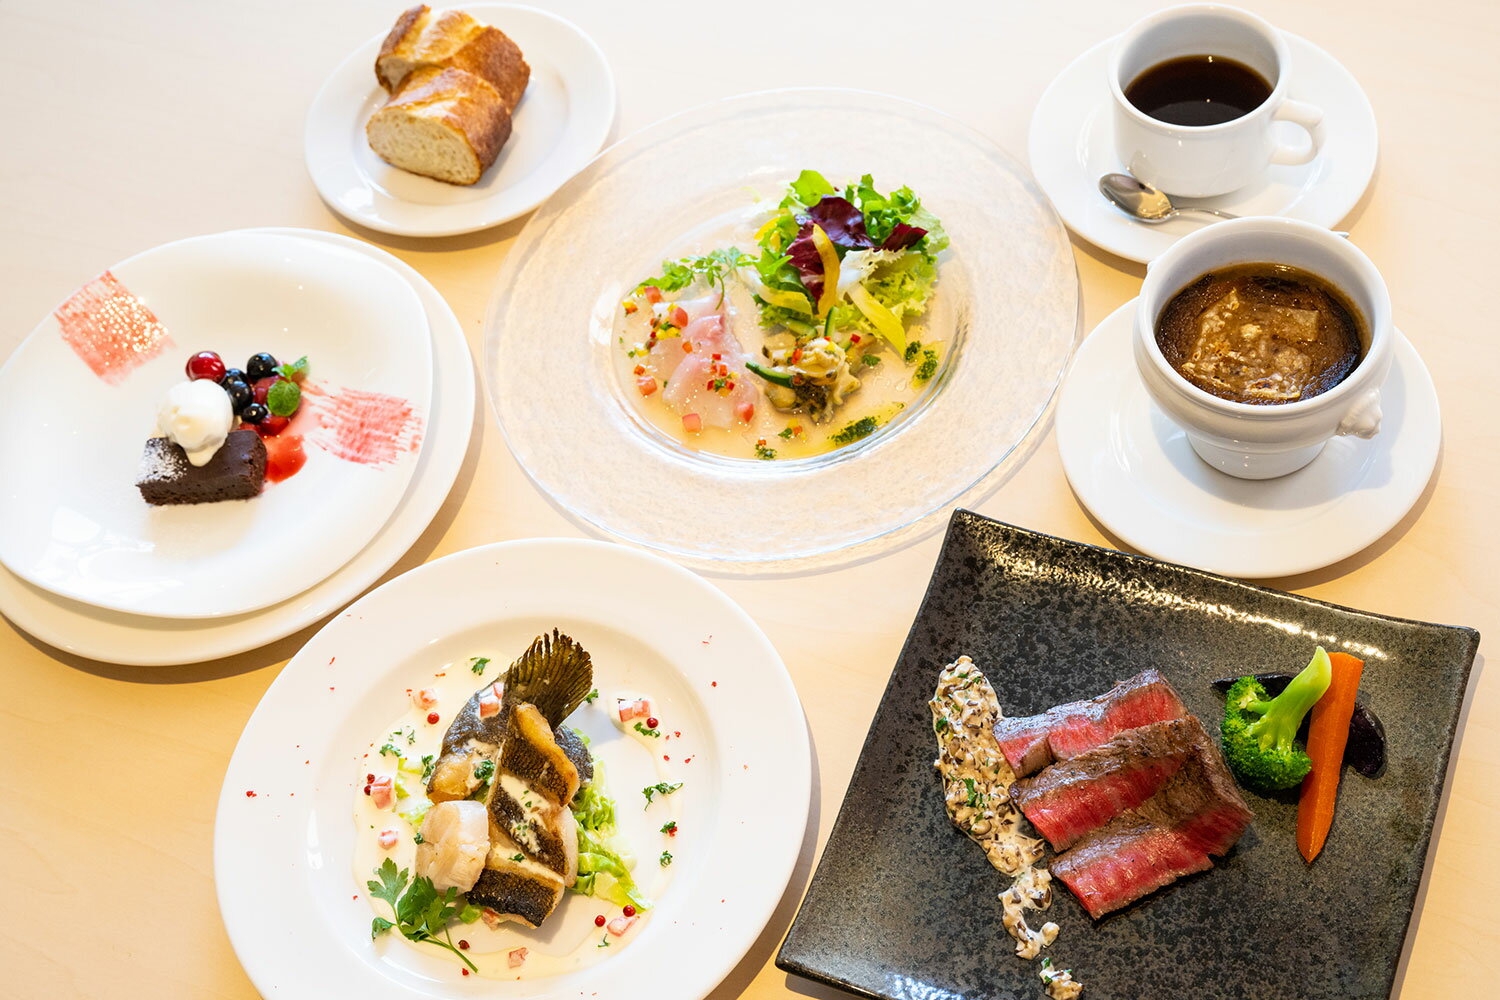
(652, 293)
(489, 705)
(637, 709)
(426, 698)
(745, 410)
(692, 422)
(630, 307)
(679, 316)
(383, 791)
(687, 346)
(620, 925)
(853, 338)
(640, 369)
(647, 385)
(515, 957)
(386, 839)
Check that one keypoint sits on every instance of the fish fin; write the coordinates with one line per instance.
(555, 675)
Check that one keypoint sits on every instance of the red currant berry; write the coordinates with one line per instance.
(432, 718)
(629, 910)
(205, 364)
(599, 921)
(651, 723)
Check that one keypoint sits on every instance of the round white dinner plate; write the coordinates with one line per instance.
(1136, 472)
(561, 122)
(114, 637)
(71, 518)
(1006, 305)
(1072, 145)
(283, 858)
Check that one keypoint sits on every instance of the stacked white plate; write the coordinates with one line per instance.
(88, 567)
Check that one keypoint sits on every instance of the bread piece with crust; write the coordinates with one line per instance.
(443, 123)
(451, 39)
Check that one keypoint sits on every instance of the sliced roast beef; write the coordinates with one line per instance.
(1072, 797)
(1032, 742)
(1198, 812)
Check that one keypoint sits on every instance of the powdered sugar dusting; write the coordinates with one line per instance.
(110, 329)
(158, 464)
(370, 428)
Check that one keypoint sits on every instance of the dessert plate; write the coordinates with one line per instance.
(561, 122)
(1007, 299)
(115, 637)
(1072, 145)
(1135, 471)
(75, 524)
(284, 859)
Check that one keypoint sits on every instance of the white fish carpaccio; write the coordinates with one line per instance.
(689, 373)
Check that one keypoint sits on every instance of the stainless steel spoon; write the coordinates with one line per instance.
(1143, 202)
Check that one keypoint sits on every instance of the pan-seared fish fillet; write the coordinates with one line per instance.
(534, 783)
(514, 886)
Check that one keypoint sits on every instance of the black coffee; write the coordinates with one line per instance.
(1198, 90)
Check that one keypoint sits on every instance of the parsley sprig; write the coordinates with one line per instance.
(660, 788)
(422, 913)
(711, 267)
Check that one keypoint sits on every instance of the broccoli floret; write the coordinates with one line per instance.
(1260, 736)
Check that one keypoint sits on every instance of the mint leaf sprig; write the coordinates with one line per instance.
(422, 913)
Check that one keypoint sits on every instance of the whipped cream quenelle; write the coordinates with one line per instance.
(197, 416)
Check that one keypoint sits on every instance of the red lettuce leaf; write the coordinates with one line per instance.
(902, 237)
(802, 255)
(842, 222)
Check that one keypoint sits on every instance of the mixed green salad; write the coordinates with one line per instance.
(839, 275)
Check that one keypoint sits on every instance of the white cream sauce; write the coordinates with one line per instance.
(976, 791)
(569, 939)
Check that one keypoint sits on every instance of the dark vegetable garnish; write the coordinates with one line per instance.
(902, 237)
(1366, 749)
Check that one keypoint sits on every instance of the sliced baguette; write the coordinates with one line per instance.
(451, 39)
(446, 124)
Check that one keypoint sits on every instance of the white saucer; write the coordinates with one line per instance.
(115, 637)
(561, 122)
(1072, 145)
(1135, 471)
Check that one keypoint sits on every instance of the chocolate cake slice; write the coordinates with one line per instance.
(236, 472)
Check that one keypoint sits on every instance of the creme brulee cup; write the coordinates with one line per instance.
(1202, 161)
(1262, 441)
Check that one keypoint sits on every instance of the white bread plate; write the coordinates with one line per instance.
(560, 124)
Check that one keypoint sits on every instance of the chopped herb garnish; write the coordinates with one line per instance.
(647, 732)
(941, 724)
(592, 696)
(603, 942)
(665, 859)
(785, 434)
(928, 367)
(417, 837)
(912, 350)
(678, 274)
(428, 766)
(660, 788)
(861, 428)
(421, 912)
(389, 750)
(872, 360)
(670, 829)
(518, 857)
(973, 792)
(478, 663)
(763, 452)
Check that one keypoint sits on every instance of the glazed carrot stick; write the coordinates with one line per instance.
(1326, 738)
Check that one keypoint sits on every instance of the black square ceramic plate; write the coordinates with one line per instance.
(903, 906)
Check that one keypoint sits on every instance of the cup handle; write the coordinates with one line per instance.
(1363, 418)
(1310, 118)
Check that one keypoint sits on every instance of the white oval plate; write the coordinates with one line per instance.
(1136, 472)
(74, 522)
(283, 859)
(561, 122)
(1072, 145)
(114, 637)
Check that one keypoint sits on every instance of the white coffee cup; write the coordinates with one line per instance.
(1262, 441)
(1201, 161)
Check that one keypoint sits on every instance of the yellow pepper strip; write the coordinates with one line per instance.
(770, 224)
(795, 301)
(884, 321)
(830, 259)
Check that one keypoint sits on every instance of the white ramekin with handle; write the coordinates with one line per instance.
(1263, 441)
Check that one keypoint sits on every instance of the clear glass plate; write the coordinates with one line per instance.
(1007, 302)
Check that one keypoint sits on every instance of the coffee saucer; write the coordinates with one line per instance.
(1134, 470)
(1072, 145)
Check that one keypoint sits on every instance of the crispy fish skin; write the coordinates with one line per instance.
(531, 753)
(515, 890)
(534, 783)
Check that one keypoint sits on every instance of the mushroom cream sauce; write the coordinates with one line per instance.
(976, 790)
(569, 940)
